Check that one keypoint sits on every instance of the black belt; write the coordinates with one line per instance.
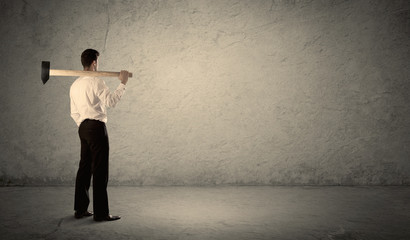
(91, 120)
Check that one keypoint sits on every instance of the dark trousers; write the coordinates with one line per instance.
(94, 161)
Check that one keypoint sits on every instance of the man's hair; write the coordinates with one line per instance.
(88, 56)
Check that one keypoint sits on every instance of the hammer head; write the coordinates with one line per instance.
(45, 71)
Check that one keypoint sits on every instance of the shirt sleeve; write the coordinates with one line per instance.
(110, 99)
(74, 112)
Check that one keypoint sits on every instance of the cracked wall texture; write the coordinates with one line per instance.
(224, 91)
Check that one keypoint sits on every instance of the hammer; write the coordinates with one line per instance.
(46, 72)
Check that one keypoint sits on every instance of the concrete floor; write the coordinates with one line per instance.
(212, 213)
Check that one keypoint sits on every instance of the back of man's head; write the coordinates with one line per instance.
(88, 56)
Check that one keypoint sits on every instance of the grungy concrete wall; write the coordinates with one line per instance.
(225, 91)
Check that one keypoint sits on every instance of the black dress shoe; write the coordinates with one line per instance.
(107, 218)
(78, 214)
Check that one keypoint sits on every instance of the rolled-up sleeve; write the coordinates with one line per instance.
(110, 99)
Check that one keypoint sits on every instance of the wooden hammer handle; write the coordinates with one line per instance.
(56, 72)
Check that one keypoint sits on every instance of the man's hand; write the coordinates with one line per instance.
(123, 77)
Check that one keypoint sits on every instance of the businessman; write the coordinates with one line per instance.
(89, 99)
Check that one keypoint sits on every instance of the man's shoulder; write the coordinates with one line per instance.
(86, 82)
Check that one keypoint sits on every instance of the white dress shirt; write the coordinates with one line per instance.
(89, 98)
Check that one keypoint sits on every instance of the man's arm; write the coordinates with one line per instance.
(110, 99)
(74, 112)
